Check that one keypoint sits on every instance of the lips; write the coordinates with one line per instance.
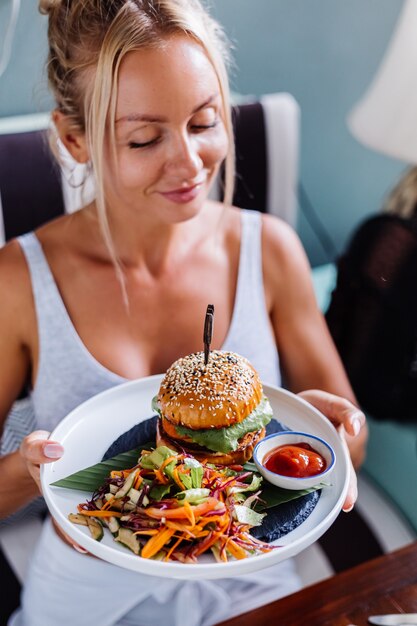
(183, 194)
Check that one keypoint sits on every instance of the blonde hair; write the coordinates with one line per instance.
(402, 200)
(95, 35)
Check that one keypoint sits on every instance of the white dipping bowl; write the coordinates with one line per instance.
(290, 437)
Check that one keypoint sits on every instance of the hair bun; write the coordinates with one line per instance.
(46, 6)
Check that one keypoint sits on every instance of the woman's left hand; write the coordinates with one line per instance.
(351, 424)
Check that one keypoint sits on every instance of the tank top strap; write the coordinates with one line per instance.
(250, 295)
(250, 330)
(48, 301)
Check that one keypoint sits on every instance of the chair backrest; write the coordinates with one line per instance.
(33, 190)
(267, 142)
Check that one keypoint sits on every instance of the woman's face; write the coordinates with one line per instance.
(170, 134)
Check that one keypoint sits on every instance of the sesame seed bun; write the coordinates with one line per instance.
(218, 395)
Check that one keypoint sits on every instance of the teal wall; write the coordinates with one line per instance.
(322, 51)
(325, 53)
(23, 86)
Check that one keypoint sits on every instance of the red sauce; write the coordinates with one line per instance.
(296, 460)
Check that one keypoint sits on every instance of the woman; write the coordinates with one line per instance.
(118, 290)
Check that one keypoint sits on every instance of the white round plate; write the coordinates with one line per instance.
(89, 430)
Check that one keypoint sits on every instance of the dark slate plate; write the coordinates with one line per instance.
(279, 521)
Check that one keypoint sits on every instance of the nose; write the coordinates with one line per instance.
(184, 158)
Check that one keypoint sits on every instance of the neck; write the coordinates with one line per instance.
(155, 247)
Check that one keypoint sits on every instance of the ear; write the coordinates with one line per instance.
(73, 140)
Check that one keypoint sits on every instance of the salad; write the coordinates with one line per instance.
(173, 507)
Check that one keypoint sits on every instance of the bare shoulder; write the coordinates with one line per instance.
(17, 325)
(283, 254)
(15, 285)
(13, 269)
(59, 231)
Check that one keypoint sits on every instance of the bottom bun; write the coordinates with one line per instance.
(243, 453)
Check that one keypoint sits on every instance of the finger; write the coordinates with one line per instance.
(337, 409)
(61, 533)
(352, 491)
(37, 449)
(79, 548)
(34, 471)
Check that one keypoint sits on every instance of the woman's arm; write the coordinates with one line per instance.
(17, 470)
(309, 358)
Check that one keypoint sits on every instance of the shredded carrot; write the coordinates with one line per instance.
(171, 550)
(177, 478)
(189, 512)
(181, 512)
(108, 504)
(161, 477)
(138, 481)
(154, 531)
(223, 554)
(205, 545)
(235, 550)
(157, 542)
(179, 526)
(167, 461)
(215, 518)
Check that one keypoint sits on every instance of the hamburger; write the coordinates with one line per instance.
(216, 412)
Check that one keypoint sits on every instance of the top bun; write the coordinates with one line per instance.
(220, 394)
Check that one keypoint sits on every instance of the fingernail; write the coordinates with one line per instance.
(348, 510)
(53, 450)
(79, 549)
(356, 425)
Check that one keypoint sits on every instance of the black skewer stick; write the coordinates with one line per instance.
(208, 331)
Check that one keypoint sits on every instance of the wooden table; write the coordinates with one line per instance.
(387, 584)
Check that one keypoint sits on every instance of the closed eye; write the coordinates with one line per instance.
(134, 145)
(202, 127)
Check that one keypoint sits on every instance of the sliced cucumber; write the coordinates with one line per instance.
(78, 519)
(95, 528)
(129, 506)
(117, 504)
(113, 524)
(113, 489)
(134, 495)
(128, 539)
(128, 484)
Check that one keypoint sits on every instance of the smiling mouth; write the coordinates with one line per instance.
(183, 194)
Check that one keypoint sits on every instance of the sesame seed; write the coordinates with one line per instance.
(227, 377)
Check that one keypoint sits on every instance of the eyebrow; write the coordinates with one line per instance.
(137, 117)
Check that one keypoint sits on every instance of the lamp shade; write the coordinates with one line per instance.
(385, 119)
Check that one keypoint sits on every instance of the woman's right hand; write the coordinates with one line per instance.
(36, 449)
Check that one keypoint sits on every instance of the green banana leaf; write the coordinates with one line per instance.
(272, 495)
(91, 478)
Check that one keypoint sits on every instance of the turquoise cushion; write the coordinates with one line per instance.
(324, 280)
